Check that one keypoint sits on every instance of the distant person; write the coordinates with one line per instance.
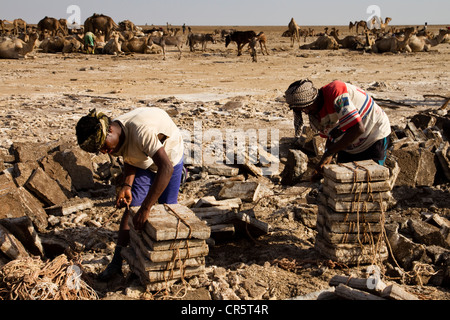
(355, 127)
(152, 149)
(89, 42)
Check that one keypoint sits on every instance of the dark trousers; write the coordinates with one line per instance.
(377, 152)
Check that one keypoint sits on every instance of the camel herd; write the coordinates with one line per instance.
(378, 39)
(100, 34)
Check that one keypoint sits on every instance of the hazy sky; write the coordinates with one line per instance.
(233, 12)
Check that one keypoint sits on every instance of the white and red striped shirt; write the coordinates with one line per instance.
(344, 106)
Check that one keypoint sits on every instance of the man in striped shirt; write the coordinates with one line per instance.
(355, 127)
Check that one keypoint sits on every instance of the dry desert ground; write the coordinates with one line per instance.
(42, 98)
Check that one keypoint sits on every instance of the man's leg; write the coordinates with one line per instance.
(115, 266)
(142, 182)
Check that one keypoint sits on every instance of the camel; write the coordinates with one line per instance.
(422, 43)
(15, 49)
(50, 25)
(113, 46)
(351, 25)
(19, 24)
(392, 44)
(64, 26)
(349, 42)
(324, 42)
(262, 39)
(361, 24)
(3, 25)
(294, 30)
(100, 22)
(137, 45)
(127, 25)
(384, 25)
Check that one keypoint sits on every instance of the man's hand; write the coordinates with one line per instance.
(123, 197)
(140, 218)
(318, 172)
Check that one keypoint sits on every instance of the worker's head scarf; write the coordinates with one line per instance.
(301, 93)
(91, 131)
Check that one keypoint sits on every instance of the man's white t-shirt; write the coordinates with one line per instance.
(142, 127)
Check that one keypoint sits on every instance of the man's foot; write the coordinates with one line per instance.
(111, 270)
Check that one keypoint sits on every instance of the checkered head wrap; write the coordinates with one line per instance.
(301, 93)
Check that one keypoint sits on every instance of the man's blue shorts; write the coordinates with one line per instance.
(144, 179)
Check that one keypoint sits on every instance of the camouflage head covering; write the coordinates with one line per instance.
(91, 131)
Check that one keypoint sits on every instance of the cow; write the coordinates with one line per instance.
(202, 38)
(241, 38)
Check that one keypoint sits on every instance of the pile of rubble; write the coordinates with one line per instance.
(349, 288)
(41, 185)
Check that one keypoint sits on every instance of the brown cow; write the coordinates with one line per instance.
(241, 38)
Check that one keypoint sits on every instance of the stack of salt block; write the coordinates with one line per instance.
(172, 246)
(350, 219)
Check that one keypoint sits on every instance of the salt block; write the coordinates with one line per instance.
(356, 196)
(332, 216)
(356, 171)
(168, 255)
(170, 244)
(246, 190)
(351, 253)
(360, 227)
(338, 238)
(174, 221)
(358, 206)
(357, 187)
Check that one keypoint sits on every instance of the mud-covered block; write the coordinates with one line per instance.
(10, 246)
(18, 202)
(23, 170)
(45, 188)
(78, 164)
(22, 228)
(408, 161)
(405, 251)
(295, 167)
(443, 156)
(30, 151)
(424, 232)
(55, 170)
(417, 167)
(426, 170)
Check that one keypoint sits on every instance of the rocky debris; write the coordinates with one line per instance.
(262, 209)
